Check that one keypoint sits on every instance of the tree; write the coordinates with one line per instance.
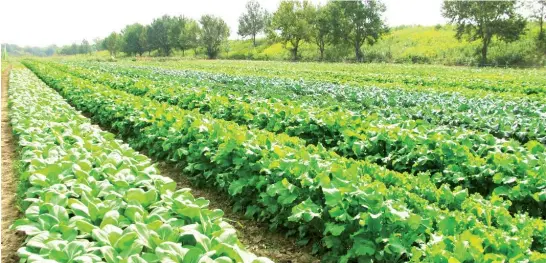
(132, 42)
(112, 43)
(358, 22)
(5, 52)
(253, 21)
(189, 37)
(74, 49)
(143, 40)
(149, 36)
(538, 8)
(214, 31)
(290, 24)
(483, 20)
(98, 44)
(321, 27)
(85, 48)
(158, 35)
(50, 50)
(176, 27)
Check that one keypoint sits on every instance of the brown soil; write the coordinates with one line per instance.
(11, 240)
(254, 235)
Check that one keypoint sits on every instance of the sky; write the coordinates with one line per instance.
(63, 22)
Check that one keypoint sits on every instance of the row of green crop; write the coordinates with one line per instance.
(91, 199)
(359, 210)
(516, 118)
(309, 82)
(505, 82)
(457, 156)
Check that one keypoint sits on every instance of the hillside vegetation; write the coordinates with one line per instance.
(404, 44)
(413, 44)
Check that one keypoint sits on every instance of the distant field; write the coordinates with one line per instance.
(504, 82)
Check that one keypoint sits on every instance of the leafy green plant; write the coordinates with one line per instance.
(360, 211)
(454, 155)
(92, 199)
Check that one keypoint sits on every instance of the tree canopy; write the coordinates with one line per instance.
(359, 22)
(322, 27)
(253, 21)
(483, 20)
(134, 39)
(214, 31)
(158, 35)
(112, 43)
(291, 24)
(189, 36)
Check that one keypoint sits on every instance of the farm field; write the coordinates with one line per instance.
(376, 162)
(90, 198)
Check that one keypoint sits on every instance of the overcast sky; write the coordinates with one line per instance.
(61, 22)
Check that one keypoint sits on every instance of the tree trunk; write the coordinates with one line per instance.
(485, 45)
(541, 32)
(358, 52)
(295, 53)
(321, 46)
(210, 52)
(254, 40)
(321, 53)
(183, 52)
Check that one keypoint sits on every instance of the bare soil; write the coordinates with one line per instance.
(254, 235)
(11, 240)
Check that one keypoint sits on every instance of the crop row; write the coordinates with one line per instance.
(516, 118)
(89, 198)
(478, 162)
(505, 82)
(359, 210)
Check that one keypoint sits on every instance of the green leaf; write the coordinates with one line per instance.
(306, 211)
(362, 247)
(136, 259)
(334, 229)
(126, 240)
(171, 251)
(84, 226)
(74, 249)
(448, 225)
(236, 187)
(332, 195)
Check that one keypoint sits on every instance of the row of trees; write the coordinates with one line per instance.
(343, 24)
(15, 50)
(347, 23)
(84, 48)
(351, 23)
(357, 23)
(168, 33)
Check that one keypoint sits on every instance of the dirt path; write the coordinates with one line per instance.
(254, 235)
(11, 241)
